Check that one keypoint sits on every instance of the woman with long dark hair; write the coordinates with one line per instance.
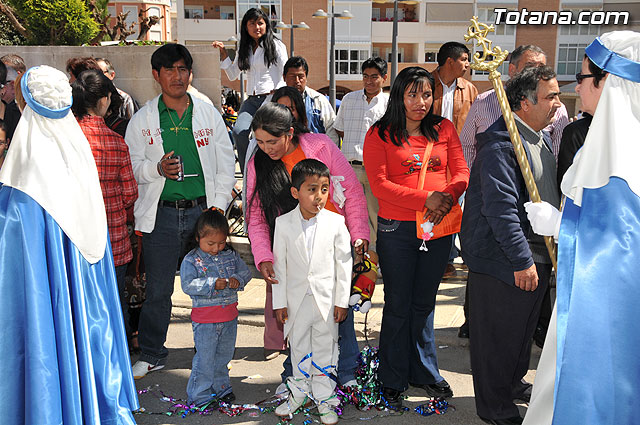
(263, 57)
(415, 164)
(92, 92)
(282, 144)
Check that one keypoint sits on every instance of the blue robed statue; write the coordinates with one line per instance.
(63, 351)
(589, 372)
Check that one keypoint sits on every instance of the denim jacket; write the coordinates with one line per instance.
(199, 272)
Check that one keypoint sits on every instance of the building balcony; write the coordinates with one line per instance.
(191, 30)
(408, 32)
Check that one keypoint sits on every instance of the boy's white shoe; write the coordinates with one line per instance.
(328, 415)
(141, 368)
(282, 391)
(290, 405)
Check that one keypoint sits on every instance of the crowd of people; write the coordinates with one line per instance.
(388, 173)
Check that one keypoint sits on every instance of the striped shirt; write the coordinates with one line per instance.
(355, 117)
(486, 110)
(119, 188)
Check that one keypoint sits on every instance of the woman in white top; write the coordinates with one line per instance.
(263, 57)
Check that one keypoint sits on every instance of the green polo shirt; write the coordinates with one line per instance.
(177, 136)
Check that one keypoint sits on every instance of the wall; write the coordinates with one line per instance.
(132, 64)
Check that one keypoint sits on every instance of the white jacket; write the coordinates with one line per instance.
(145, 147)
(328, 273)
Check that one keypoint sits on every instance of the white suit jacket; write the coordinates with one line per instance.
(327, 273)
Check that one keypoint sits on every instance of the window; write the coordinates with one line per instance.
(430, 56)
(400, 54)
(111, 10)
(503, 69)
(350, 61)
(582, 29)
(375, 14)
(486, 15)
(227, 12)
(389, 12)
(193, 12)
(570, 58)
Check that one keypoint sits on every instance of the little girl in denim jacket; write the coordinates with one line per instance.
(212, 274)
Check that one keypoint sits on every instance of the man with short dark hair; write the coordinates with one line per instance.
(320, 114)
(509, 266)
(453, 95)
(129, 106)
(358, 111)
(173, 192)
(15, 67)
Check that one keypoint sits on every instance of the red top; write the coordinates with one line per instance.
(214, 313)
(393, 171)
(119, 188)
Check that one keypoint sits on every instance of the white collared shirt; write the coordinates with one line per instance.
(260, 79)
(447, 98)
(355, 117)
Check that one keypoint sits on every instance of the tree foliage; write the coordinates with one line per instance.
(9, 36)
(55, 22)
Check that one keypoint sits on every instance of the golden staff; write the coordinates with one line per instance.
(478, 31)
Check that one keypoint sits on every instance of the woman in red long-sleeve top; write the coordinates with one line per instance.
(393, 153)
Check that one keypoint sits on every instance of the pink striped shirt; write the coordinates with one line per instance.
(486, 110)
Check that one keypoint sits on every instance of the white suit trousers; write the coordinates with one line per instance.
(311, 342)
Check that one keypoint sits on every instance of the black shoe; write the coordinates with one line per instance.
(522, 392)
(463, 331)
(391, 398)
(540, 335)
(516, 420)
(229, 398)
(441, 389)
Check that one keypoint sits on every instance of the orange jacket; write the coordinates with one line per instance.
(463, 97)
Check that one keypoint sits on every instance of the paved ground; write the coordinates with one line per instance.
(255, 379)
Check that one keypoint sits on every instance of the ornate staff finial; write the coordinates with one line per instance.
(479, 31)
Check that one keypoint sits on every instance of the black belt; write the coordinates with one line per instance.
(183, 204)
(355, 162)
(259, 95)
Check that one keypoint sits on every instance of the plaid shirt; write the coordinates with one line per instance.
(119, 188)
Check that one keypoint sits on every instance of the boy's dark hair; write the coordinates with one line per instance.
(296, 62)
(524, 85)
(375, 62)
(3, 127)
(307, 168)
(75, 66)
(451, 49)
(165, 56)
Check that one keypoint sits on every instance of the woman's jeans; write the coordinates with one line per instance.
(242, 127)
(215, 344)
(411, 279)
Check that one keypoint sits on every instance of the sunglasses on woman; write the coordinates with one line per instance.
(580, 77)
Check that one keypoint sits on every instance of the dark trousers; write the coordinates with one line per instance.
(502, 321)
(411, 279)
(121, 272)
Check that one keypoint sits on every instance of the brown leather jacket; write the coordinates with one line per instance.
(463, 97)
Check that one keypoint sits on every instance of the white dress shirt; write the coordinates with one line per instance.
(447, 99)
(260, 78)
(355, 117)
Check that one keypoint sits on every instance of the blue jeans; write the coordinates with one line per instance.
(347, 356)
(411, 279)
(215, 343)
(242, 127)
(162, 249)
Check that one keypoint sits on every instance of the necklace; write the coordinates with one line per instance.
(184, 115)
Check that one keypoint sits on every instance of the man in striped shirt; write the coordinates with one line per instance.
(486, 109)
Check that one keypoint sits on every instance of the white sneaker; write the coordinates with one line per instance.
(328, 415)
(289, 407)
(141, 368)
(352, 383)
(282, 391)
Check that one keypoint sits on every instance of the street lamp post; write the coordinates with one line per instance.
(282, 26)
(332, 55)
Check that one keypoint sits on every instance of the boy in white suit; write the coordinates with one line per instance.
(312, 263)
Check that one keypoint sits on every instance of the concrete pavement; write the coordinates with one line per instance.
(255, 379)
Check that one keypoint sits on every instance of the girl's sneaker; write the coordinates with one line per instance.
(141, 368)
(328, 416)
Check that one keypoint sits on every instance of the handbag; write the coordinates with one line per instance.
(450, 223)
